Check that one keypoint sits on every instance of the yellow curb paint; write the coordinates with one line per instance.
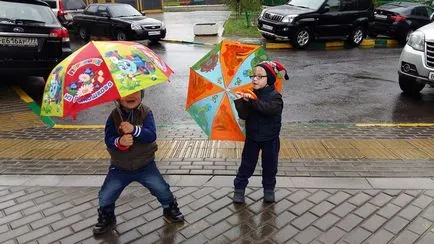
(368, 43)
(398, 124)
(334, 44)
(392, 43)
(22, 94)
(57, 126)
(277, 45)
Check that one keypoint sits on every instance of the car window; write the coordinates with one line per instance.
(51, 3)
(430, 11)
(123, 10)
(364, 4)
(73, 4)
(12, 11)
(348, 5)
(102, 10)
(420, 11)
(335, 5)
(92, 9)
(312, 4)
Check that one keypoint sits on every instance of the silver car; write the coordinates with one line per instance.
(416, 64)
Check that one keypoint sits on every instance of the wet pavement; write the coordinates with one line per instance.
(337, 182)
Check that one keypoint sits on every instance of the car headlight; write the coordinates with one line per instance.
(135, 26)
(417, 41)
(288, 18)
(262, 13)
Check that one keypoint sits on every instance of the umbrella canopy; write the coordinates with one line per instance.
(212, 85)
(99, 72)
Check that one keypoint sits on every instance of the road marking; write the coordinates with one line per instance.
(22, 94)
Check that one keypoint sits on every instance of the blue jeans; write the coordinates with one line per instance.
(117, 179)
(249, 159)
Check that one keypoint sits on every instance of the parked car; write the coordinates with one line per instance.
(416, 64)
(400, 19)
(302, 21)
(65, 10)
(32, 41)
(119, 22)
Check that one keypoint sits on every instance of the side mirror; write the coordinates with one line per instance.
(325, 9)
(143, 12)
(105, 14)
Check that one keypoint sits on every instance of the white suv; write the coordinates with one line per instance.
(416, 64)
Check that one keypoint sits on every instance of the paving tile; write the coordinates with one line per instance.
(284, 218)
(238, 231)
(343, 209)
(429, 213)
(285, 234)
(402, 200)
(405, 237)
(304, 220)
(428, 238)
(33, 235)
(349, 222)
(216, 230)
(380, 199)
(322, 208)
(298, 196)
(25, 220)
(332, 235)
(14, 233)
(410, 212)
(281, 206)
(307, 235)
(218, 216)
(374, 222)
(366, 210)
(419, 225)
(396, 224)
(339, 197)
(318, 196)
(358, 235)
(422, 201)
(327, 221)
(389, 210)
(301, 207)
(359, 199)
(381, 237)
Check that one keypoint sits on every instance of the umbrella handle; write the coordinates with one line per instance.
(119, 110)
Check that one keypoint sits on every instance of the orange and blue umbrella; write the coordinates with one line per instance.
(214, 79)
(99, 72)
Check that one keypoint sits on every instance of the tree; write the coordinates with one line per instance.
(244, 6)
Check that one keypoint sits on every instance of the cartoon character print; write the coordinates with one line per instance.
(199, 114)
(87, 82)
(129, 67)
(55, 89)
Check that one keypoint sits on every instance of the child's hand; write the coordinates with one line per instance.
(239, 95)
(247, 96)
(126, 128)
(126, 140)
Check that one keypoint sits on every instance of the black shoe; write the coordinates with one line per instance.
(106, 221)
(172, 213)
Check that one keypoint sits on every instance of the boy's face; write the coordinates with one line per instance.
(259, 79)
(131, 101)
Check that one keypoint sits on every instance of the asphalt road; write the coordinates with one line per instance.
(325, 86)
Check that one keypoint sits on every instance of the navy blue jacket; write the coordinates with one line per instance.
(263, 116)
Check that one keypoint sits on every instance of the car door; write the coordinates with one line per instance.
(419, 17)
(329, 21)
(102, 25)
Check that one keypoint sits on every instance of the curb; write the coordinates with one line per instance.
(367, 43)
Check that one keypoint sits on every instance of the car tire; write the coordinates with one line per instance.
(410, 87)
(83, 34)
(301, 38)
(121, 36)
(357, 36)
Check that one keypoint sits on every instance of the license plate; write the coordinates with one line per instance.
(153, 33)
(267, 27)
(18, 42)
(431, 76)
(380, 16)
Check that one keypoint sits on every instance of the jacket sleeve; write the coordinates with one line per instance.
(112, 136)
(242, 109)
(146, 133)
(271, 107)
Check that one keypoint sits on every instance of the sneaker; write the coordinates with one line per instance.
(172, 214)
(238, 196)
(269, 195)
(106, 221)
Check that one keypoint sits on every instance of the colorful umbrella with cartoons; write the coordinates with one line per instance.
(213, 82)
(99, 72)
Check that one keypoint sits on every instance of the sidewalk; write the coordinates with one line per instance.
(50, 178)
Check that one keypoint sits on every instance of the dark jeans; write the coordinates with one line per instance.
(117, 179)
(249, 159)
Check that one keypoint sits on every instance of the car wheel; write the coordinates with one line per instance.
(410, 87)
(83, 33)
(356, 37)
(301, 38)
(121, 36)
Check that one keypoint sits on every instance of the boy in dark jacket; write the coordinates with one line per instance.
(263, 118)
(130, 137)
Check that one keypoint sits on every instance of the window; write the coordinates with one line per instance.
(102, 10)
(420, 11)
(12, 11)
(334, 5)
(430, 11)
(364, 4)
(73, 4)
(348, 5)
